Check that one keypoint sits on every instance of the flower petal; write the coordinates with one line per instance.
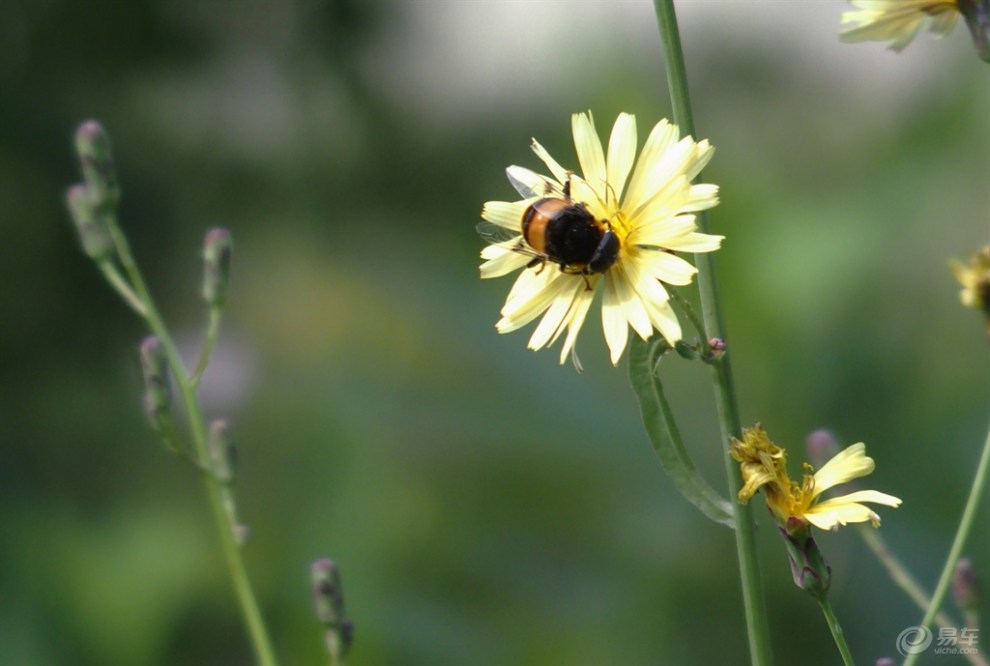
(559, 172)
(576, 317)
(589, 151)
(614, 322)
(533, 292)
(850, 463)
(504, 213)
(662, 136)
(827, 516)
(556, 316)
(621, 154)
(502, 259)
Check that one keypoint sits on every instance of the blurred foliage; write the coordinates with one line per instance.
(485, 505)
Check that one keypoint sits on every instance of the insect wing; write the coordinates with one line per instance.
(493, 233)
(531, 185)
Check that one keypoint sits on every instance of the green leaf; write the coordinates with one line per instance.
(663, 432)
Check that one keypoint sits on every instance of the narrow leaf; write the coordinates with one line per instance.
(664, 435)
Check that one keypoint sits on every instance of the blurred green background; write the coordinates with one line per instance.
(486, 505)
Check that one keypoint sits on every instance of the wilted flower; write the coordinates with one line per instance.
(764, 466)
(607, 226)
(898, 21)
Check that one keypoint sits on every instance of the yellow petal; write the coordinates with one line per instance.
(641, 187)
(504, 213)
(850, 463)
(589, 150)
(621, 153)
(559, 172)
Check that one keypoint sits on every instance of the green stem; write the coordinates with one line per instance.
(898, 572)
(685, 306)
(758, 631)
(962, 534)
(212, 332)
(242, 587)
(837, 635)
(120, 285)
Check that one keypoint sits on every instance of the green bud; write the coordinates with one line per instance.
(977, 15)
(93, 148)
(157, 390)
(809, 569)
(91, 225)
(223, 453)
(216, 266)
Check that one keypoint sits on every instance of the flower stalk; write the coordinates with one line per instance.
(757, 627)
(98, 199)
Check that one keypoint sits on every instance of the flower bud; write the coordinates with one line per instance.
(716, 348)
(216, 266)
(223, 452)
(157, 391)
(966, 586)
(809, 569)
(821, 446)
(977, 15)
(93, 148)
(329, 598)
(93, 233)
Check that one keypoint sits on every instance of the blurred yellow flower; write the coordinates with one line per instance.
(898, 21)
(975, 280)
(616, 225)
(764, 466)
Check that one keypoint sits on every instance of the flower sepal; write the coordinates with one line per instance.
(809, 569)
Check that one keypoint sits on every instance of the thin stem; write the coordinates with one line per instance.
(962, 534)
(120, 285)
(899, 573)
(245, 594)
(837, 635)
(212, 332)
(699, 325)
(758, 631)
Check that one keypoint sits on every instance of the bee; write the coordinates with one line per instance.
(557, 229)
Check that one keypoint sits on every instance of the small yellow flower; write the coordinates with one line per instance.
(898, 21)
(975, 280)
(648, 210)
(764, 466)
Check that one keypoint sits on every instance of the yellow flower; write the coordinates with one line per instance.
(898, 20)
(644, 214)
(975, 280)
(764, 466)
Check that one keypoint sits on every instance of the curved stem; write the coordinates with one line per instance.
(837, 635)
(962, 534)
(187, 388)
(758, 631)
(120, 285)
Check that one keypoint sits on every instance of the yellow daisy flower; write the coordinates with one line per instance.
(615, 225)
(898, 21)
(764, 466)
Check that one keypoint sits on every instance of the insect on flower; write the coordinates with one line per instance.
(557, 229)
(625, 223)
